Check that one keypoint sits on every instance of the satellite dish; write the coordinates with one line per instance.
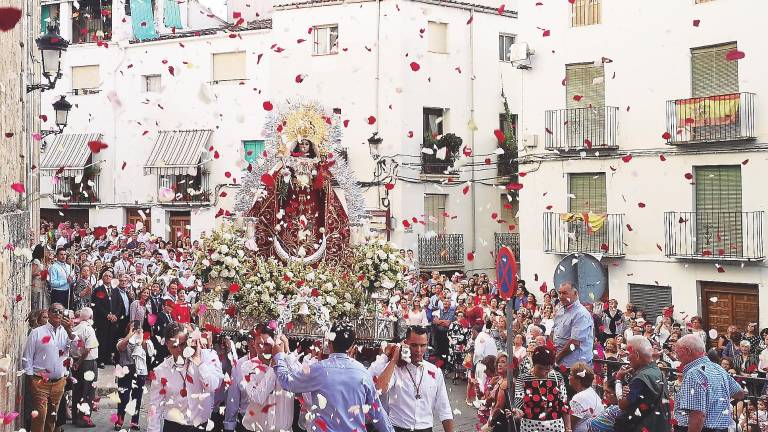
(518, 51)
(586, 273)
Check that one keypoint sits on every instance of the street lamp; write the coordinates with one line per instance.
(373, 145)
(51, 46)
(61, 107)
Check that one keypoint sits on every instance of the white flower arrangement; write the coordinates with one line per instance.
(379, 265)
(222, 257)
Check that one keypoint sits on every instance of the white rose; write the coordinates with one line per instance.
(331, 300)
(369, 255)
(224, 249)
(240, 253)
(206, 263)
(265, 297)
(213, 274)
(215, 256)
(328, 286)
(310, 276)
(385, 267)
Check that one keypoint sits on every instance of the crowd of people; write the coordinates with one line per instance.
(128, 298)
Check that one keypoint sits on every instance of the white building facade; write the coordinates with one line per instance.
(184, 110)
(651, 131)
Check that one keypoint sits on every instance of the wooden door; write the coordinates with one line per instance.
(179, 223)
(134, 216)
(735, 304)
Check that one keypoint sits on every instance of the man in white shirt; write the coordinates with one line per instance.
(124, 264)
(237, 400)
(270, 407)
(415, 389)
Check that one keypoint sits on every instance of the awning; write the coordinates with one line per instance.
(174, 152)
(68, 151)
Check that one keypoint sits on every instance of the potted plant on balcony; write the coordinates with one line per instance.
(506, 162)
(431, 163)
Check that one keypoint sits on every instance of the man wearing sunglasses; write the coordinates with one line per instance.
(45, 362)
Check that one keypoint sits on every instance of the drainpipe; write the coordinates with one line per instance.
(378, 85)
(472, 117)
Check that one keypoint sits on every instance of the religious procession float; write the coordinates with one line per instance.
(293, 255)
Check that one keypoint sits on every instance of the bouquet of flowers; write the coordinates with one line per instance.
(223, 255)
(379, 266)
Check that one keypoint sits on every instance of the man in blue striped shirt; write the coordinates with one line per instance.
(703, 403)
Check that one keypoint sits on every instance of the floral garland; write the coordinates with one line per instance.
(379, 266)
(271, 284)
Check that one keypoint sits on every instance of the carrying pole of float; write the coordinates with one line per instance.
(506, 278)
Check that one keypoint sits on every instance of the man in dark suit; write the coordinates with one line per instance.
(103, 319)
(121, 302)
(158, 330)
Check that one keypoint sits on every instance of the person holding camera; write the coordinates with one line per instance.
(130, 386)
(45, 362)
(182, 393)
(415, 388)
(83, 389)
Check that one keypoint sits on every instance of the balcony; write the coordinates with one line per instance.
(441, 252)
(511, 240)
(566, 233)
(718, 118)
(736, 236)
(576, 129)
(190, 190)
(68, 191)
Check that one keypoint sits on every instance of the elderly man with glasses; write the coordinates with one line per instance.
(45, 362)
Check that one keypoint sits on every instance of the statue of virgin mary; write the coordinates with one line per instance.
(295, 213)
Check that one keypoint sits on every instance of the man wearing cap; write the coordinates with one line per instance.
(343, 395)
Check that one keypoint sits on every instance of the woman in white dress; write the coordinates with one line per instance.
(586, 403)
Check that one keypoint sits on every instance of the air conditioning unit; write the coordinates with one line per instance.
(530, 141)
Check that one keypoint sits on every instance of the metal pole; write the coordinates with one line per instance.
(510, 356)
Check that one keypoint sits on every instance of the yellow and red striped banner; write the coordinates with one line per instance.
(708, 111)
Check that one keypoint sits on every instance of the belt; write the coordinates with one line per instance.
(400, 429)
(49, 380)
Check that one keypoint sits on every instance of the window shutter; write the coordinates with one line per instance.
(437, 35)
(587, 81)
(255, 147)
(718, 209)
(585, 12)
(587, 192)
(85, 77)
(650, 298)
(711, 73)
(229, 66)
(434, 206)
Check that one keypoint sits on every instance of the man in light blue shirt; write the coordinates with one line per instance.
(342, 390)
(573, 333)
(60, 276)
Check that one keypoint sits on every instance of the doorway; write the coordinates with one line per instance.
(725, 304)
(179, 223)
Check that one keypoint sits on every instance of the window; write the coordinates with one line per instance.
(85, 79)
(326, 39)
(508, 208)
(91, 21)
(652, 299)
(433, 124)
(587, 193)
(151, 83)
(585, 85)
(718, 209)
(711, 73)
(434, 213)
(252, 150)
(585, 12)
(229, 66)
(433, 130)
(49, 16)
(437, 34)
(505, 45)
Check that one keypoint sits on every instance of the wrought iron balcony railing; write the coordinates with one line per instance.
(189, 189)
(575, 129)
(714, 235)
(68, 191)
(511, 240)
(566, 233)
(441, 251)
(711, 119)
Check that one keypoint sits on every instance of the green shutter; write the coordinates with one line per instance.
(252, 149)
(718, 209)
(587, 192)
(711, 73)
(45, 13)
(587, 81)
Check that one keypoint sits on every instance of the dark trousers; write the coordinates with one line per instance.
(399, 429)
(83, 391)
(104, 332)
(442, 350)
(130, 387)
(61, 297)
